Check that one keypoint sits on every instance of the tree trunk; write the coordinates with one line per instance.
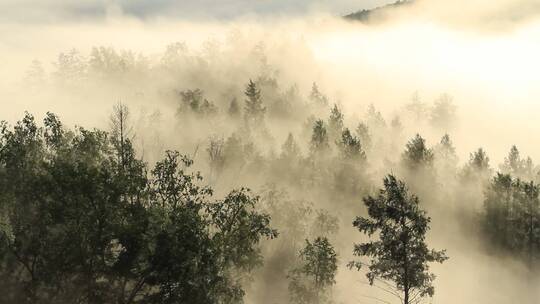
(406, 298)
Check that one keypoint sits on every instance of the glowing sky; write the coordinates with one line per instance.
(61, 10)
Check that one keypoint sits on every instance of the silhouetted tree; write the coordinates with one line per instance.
(79, 224)
(417, 154)
(350, 146)
(399, 254)
(511, 217)
(254, 108)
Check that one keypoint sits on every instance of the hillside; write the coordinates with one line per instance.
(367, 15)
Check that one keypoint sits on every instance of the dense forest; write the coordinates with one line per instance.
(204, 187)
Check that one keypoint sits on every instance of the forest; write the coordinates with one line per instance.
(258, 203)
(303, 161)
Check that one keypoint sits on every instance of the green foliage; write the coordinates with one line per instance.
(311, 280)
(400, 253)
(240, 228)
(82, 221)
(417, 155)
(350, 147)
(254, 109)
(511, 217)
(478, 167)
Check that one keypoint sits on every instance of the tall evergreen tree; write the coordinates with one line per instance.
(254, 108)
(511, 217)
(350, 146)
(417, 154)
(399, 254)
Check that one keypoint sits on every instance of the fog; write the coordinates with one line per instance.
(484, 54)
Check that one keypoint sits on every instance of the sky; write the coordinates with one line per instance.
(69, 10)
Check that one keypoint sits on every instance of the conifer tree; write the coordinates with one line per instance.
(398, 256)
(254, 108)
(319, 138)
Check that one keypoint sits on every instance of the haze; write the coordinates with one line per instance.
(484, 54)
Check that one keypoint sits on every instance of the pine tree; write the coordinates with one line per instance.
(254, 109)
(350, 146)
(417, 154)
(511, 217)
(513, 164)
(399, 254)
(319, 138)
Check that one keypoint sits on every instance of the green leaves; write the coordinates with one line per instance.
(239, 229)
(81, 221)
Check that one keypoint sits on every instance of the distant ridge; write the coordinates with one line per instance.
(365, 15)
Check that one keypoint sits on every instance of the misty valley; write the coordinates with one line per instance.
(375, 158)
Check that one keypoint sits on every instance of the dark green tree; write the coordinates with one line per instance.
(417, 155)
(83, 222)
(399, 254)
(350, 147)
(254, 109)
(511, 217)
